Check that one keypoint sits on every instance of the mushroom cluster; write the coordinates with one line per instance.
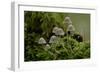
(59, 32)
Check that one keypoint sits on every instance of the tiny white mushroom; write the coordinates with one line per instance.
(41, 41)
(53, 39)
(67, 20)
(58, 31)
(47, 45)
(55, 29)
(71, 29)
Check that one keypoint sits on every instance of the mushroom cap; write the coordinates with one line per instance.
(41, 41)
(70, 28)
(52, 39)
(67, 20)
(47, 45)
(55, 29)
(58, 31)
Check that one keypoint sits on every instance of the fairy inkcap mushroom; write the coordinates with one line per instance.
(47, 45)
(41, 41)
(70, 29)
(55, 29)
(67, 20)
(52, 39)
(58, 31)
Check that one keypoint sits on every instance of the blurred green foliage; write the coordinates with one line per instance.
(40, 24)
